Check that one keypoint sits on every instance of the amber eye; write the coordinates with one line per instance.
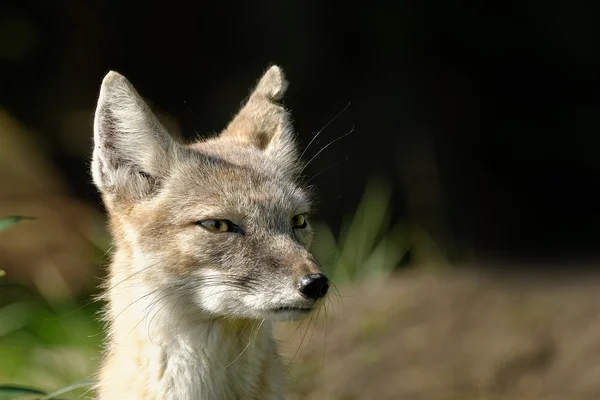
(299, 221)
(218, 225)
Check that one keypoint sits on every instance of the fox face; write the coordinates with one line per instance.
(220, 225)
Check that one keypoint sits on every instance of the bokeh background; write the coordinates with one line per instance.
(460, 217)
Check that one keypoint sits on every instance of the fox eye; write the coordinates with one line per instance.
(218, 225)
(299, 221)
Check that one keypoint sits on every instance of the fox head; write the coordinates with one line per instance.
(222, 221)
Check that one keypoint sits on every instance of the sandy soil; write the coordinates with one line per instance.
(451, 336)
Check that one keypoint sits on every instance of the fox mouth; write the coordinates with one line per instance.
(288, 313)
(297, 309)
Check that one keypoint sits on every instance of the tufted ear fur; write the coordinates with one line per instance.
(132, 150)
(263, 122)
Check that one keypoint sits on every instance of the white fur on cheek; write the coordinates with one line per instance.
(216, 296)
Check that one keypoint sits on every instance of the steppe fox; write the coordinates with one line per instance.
(211, 244)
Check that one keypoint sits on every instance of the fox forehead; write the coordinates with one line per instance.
(237, 183)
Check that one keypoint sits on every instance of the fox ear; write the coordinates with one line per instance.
(131, 148)
(263, 122)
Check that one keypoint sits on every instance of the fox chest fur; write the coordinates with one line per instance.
(211, 244)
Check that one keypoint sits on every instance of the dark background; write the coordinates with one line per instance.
(484, 117)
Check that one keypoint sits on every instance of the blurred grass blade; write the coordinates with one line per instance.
(367, 246)
(8, 392)
(8, 222)
(67, 389)
(388, 253)
(360, 233)
(14, 317)
(326, 248)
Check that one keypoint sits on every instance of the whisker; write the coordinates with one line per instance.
(325, 147)
(325, 337)
(326, 169)
(301, 342)
(314, 326)
(339, 297)
(324, 126)
(190, 110)
(152, 304)
(252, 339)
(133, 302)
(297, 329)
(178, 298)
(170, 315)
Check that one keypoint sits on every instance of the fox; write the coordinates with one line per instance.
(211, 246)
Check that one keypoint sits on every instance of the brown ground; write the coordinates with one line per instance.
(451, 336)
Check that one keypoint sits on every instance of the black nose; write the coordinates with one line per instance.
(314, 286)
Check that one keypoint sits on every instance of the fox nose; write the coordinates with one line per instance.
(313, 286)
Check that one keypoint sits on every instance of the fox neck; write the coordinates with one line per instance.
(157, 350)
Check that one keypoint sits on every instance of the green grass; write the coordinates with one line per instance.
(368, 245)
(44, 344)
